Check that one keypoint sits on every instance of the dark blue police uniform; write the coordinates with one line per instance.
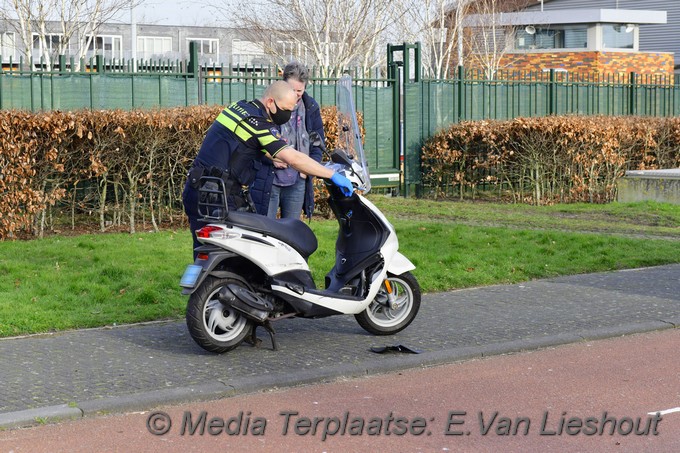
(235, 142)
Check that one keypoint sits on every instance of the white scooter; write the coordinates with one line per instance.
(252, 270)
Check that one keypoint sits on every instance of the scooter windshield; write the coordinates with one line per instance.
(349, 138)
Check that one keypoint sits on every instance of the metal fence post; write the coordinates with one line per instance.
(398, 124)
(460, 93)
(552, 98)
(418, 61)
(632, 99)
(675, 90)
(397, 150)
(2, 77)
(30, 75)
(195, 69)
(90, 75)
(390, 64)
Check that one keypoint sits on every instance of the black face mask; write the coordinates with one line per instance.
(281, 116)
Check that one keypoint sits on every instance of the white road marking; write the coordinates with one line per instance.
(667, 411)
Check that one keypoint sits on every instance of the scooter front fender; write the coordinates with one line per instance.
(400, 264)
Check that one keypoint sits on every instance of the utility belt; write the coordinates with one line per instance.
(198, 170)
(239, 195)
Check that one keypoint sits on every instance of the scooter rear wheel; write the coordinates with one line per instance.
(214, 326)
(380, 319)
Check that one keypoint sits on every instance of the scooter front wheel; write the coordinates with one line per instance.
(395, 306)
(214, 326)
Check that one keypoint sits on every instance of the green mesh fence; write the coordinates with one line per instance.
(428, 105)
(374, 102)
(73, 91)
(413, 135)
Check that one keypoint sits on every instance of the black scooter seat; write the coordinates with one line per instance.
(293, 232)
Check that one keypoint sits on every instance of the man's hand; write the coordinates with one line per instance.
(343, 183)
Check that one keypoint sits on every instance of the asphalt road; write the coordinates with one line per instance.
(554, 398)
(613, 395)
(80, 373)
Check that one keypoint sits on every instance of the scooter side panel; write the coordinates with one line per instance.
(270, 254)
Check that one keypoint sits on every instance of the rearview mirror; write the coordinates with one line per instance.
(315, 140)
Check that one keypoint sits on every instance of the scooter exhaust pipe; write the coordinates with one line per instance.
(249, 304)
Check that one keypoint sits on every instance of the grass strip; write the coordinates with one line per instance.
(69, 282)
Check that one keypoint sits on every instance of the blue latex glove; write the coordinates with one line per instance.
(343, 183)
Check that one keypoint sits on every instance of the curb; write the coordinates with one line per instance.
(40, 415)
(389, 363)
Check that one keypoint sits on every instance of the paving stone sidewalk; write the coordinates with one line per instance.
(78, 373)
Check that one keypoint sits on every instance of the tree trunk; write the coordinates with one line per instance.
(102, 203)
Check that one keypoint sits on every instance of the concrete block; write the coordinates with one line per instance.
(650, 185)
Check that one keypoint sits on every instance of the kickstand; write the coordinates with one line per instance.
(272, 334)
(253, 338)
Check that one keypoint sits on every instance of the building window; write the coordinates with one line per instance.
(290, 50)
(208, 49)
(246, 53)
(541, 38)
(149, 47)
(531, 38)
(618, 36)
(7, 48)
(109, 46)
(576, 38)
(51, 42)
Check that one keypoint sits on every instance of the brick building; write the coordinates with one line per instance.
(602, 41)
(653, 37)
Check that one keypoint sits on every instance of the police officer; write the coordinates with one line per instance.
(236, 141)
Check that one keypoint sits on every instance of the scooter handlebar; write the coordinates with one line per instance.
(343, 183)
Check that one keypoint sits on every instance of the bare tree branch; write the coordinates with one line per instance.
(338, 33)
(489, 41)
(437, 24)
(75, 22)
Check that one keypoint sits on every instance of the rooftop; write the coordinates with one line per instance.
(571, 16)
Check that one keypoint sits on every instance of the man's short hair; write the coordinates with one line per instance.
(278, 90)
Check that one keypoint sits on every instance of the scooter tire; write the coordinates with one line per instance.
(213, 326)
(379, 319)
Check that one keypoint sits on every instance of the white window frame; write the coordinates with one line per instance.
(108, 54)
(213, 54)
(292, 50)
(522, 34)
(8, 50)
(244, 52)
(49, 39)
(165, 43)
(623, 30)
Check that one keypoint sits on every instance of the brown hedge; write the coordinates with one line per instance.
(113, 166)
(550, 159)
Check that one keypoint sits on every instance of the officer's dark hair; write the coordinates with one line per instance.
(296, 70)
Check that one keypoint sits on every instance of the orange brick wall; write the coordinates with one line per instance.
(657, 63)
